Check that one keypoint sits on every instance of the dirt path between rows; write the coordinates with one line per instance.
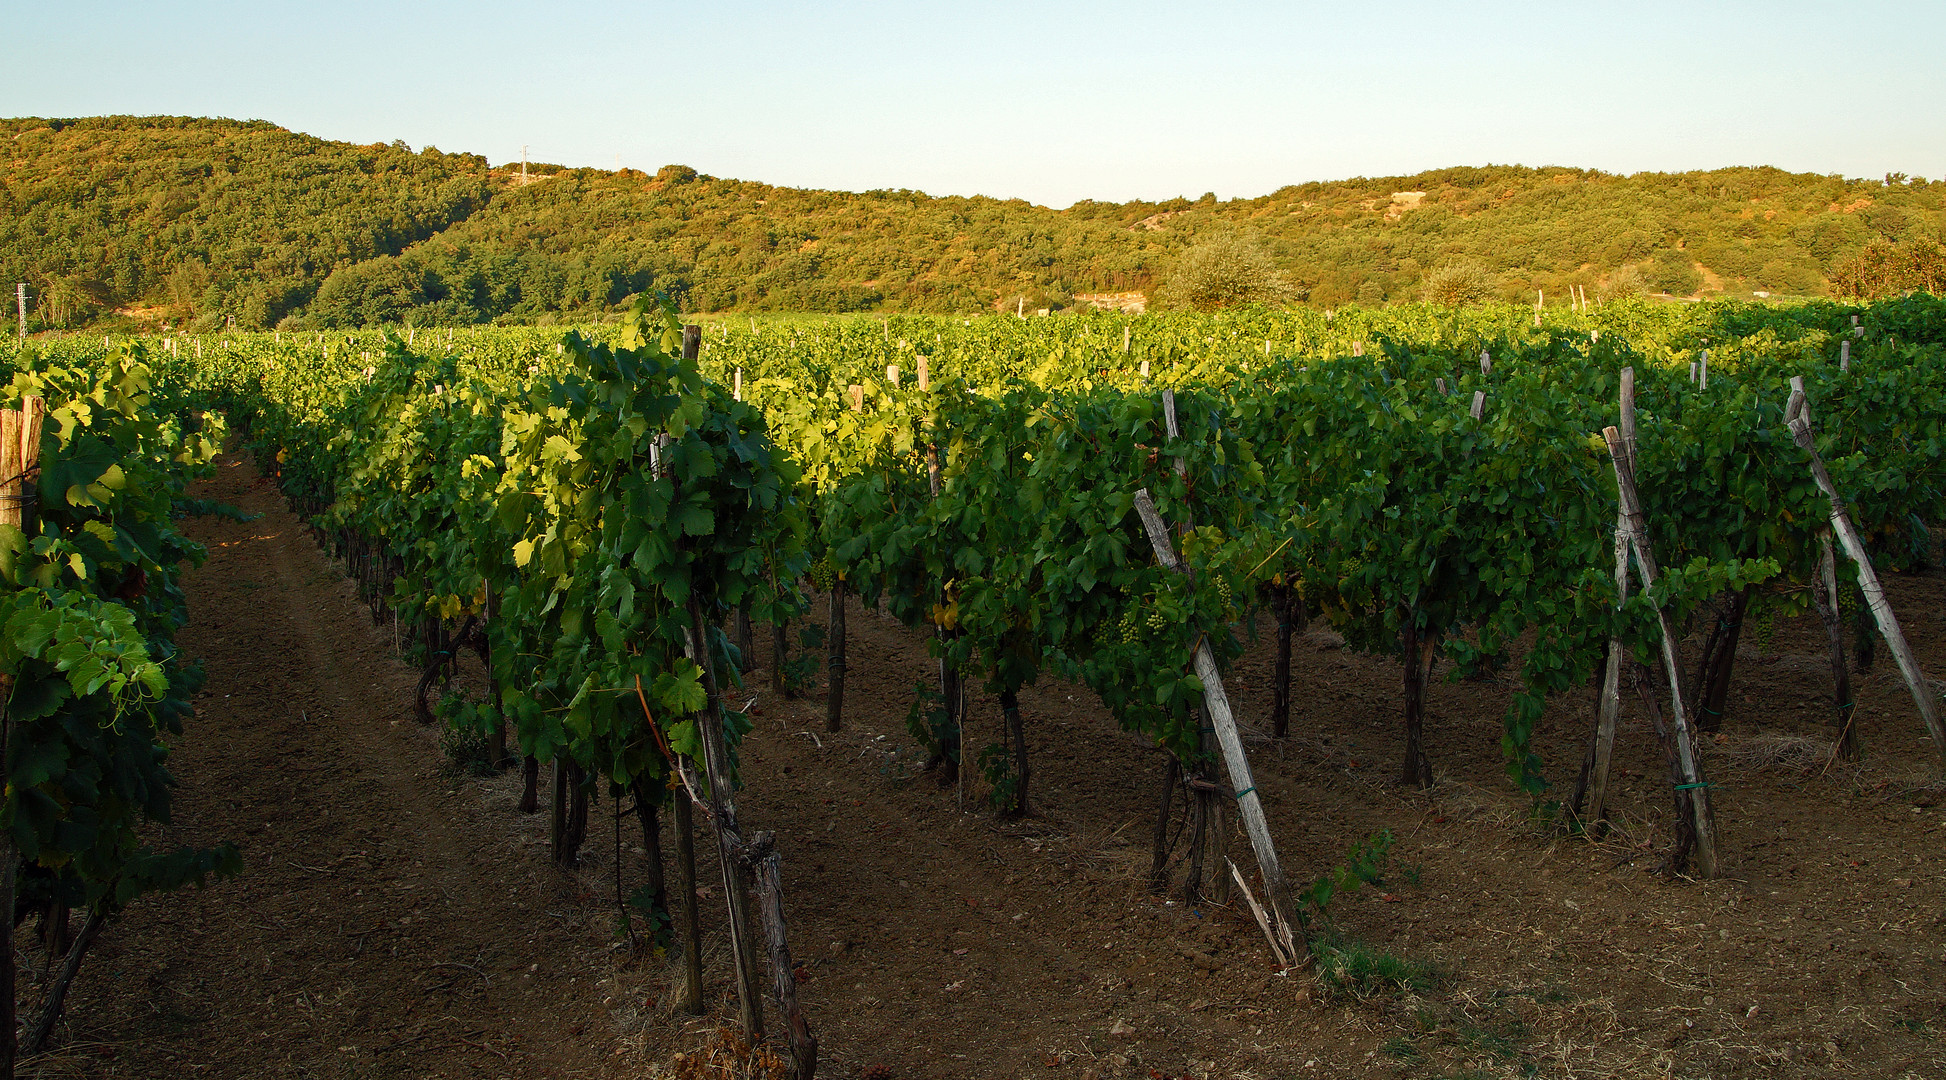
(375, 931)
(396, 919)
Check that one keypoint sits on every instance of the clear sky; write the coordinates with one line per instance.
(1050, 102)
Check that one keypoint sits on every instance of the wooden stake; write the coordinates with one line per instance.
(1249, 802)
(1169, 427)
(1611, 694)
(1844, 355)
(1486, 362)
(857, 395)
(1691, 773)
(1159, 861)
(834, 698)
(1611, 683)
(1826, 595)
(690, 994)
(1126, 331)
(1479, 403)
(925, 375)
(20, 450)
(770, 904)
(1797, 414)
(722, 813)
(1703, 372)
(736, 385)
(892, 375)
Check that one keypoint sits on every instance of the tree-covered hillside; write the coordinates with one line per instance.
(210, 221)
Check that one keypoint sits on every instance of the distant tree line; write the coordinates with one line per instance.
(208, 223)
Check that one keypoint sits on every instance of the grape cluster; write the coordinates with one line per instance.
(1763, 630)
(823, 574)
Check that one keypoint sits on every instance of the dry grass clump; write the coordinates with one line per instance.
(1778, 752)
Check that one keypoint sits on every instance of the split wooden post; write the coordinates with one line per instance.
(1217, 703)
(20, 453)
(1208, 817)
(856, 394)
(1844, 355)
(1479, 404)
(1486, 362)
(1703, 816)
(736, 385)
(925, 374)
(763, 861)
(1611, 694)
(722, 814)
(1797, 414)
(1609, 711)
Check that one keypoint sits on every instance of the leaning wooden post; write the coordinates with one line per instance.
(1797, 414)
(20, 453)
(1249, 801)
(1692, 776)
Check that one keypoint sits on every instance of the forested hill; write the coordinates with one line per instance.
(209, 218)
(216, 222)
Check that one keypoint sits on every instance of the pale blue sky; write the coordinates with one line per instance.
(1049, 102)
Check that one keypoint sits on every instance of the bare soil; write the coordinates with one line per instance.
(398, 919)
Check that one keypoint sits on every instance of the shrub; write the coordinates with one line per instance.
(1673, 272)
(1626, 283)
(1460, 283)
(1220, 273)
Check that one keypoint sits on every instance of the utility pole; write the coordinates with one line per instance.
(20, 304)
